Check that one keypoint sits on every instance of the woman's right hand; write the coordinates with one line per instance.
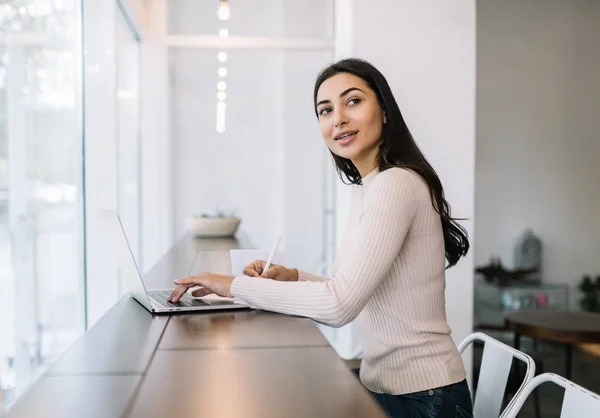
(275, 271)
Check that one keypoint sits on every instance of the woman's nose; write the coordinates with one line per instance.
(340, 119)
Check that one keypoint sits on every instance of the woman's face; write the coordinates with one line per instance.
(350, 119)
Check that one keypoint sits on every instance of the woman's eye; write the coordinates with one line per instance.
(324, 111)
(354, 101)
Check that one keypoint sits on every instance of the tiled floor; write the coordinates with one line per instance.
(586, 372)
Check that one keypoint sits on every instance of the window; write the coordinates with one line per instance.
(41, 194)
(128, 134)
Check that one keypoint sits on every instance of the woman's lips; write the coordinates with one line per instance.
(347, 139)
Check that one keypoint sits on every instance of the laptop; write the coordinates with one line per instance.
(154, 301)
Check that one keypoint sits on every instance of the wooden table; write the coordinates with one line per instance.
(558, 326)
(223, 364)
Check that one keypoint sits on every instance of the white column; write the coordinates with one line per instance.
(426, 50)
(344, 39)
(345, 340)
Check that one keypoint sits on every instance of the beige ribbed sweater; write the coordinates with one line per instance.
(392, 279)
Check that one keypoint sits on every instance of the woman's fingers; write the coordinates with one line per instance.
(182, 286)
(203, 291)
(212, 282)
(255, 268)
(250, 271)
(272, 273)
(178, 293)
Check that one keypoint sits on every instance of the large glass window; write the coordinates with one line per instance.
(128, 133)
(41, 222)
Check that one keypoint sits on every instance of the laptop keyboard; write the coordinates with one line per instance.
(162, 296)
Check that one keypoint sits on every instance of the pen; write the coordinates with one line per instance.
(273, 250)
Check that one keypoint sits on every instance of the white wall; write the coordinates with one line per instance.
(538, 133)
(268, 165)
(240, 170)
(426, 50)
(304, 158)
(305, 152)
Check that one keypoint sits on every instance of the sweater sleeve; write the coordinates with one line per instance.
(388, 214)
(304, 276)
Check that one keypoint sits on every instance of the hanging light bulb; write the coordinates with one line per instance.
(224, 11)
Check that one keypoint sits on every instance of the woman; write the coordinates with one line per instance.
(392, 274)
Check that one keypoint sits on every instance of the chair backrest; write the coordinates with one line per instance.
(496, 364)
(577, 403)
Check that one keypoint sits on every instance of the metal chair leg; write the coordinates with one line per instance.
(540, 369)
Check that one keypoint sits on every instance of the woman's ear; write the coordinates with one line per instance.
(384, 118)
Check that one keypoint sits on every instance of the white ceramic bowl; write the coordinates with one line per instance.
(214, 227)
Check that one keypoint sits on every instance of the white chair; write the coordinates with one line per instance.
(577, 403)
(496, 364)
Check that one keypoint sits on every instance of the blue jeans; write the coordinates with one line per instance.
(452, 401)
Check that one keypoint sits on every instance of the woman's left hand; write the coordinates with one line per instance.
(219, 284)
